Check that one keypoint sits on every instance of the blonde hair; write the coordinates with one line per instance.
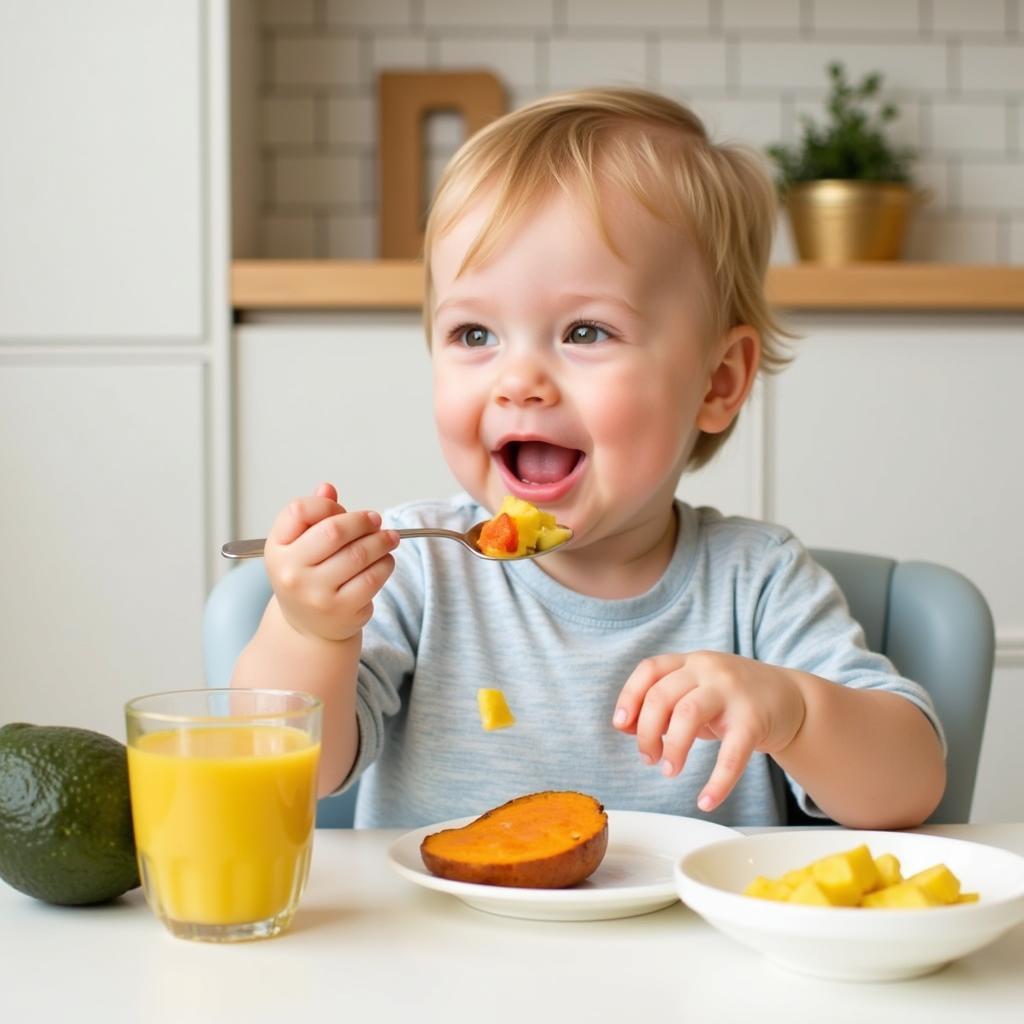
(659, 152)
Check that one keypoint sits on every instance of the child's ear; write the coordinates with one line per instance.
(731, 377)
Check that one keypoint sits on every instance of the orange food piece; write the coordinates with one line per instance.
(500, 534)
(547, 840)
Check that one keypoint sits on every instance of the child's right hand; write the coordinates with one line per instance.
(326, 564)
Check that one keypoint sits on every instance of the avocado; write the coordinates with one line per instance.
(65, 817)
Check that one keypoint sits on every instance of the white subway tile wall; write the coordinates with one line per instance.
(750, 68)
(761, 14)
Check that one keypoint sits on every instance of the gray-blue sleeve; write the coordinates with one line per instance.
(802, 621)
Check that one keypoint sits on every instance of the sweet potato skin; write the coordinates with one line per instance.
(560, 869)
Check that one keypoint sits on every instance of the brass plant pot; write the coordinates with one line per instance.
(837, 221)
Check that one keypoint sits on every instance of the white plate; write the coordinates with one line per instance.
(635, 876)
(850, 943)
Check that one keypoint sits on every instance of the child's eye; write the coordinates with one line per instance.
(586, 334)
(474, 336)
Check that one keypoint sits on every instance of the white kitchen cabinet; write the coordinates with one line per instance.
(103, 519)
(343, 398)
(902, 436)
(114, 345)
(102, 122)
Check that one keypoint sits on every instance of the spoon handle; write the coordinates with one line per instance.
(431, 531)
(254, 548)
(244, 548)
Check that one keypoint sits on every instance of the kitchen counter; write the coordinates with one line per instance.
(398, 285)
(367, 945)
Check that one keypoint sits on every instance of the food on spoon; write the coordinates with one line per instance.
(499, 536)
(856, 879)
(548, 840)
(520, 528)
(494, 710)
(65, 815)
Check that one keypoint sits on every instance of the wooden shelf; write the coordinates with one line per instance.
(898, 286)
(398, 285)
(326, 284)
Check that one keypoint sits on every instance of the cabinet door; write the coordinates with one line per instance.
(346, 400)
(902, 438)
(101, 177)
(103, 520)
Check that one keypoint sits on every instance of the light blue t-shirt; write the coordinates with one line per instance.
(447, 623)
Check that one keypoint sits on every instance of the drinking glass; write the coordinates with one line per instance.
(223, 792)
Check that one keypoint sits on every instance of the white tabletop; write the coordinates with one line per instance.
(369, 945)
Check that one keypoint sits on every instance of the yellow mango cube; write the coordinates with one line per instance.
(967, 897)
(938, 882)
(846, 876)
(551, 536)
(811, 894)
(528, 520)
(494, 710)
(888, 867)
(763, 888)
(902, 896)
(796, 876)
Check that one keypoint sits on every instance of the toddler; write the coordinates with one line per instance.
(596, 319)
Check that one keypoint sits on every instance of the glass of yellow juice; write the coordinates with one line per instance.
(223, 792)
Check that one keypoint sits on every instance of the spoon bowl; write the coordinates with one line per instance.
(470, 539)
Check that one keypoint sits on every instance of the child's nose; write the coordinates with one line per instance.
(525, 381)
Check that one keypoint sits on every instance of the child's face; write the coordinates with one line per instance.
(566, 375)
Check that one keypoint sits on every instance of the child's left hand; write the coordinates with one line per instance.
(672, 699)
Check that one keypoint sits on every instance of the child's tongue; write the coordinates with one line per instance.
(538, 462)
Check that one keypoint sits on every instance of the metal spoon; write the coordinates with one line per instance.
(254, 548)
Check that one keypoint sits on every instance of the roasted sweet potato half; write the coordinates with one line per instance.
(545, 840)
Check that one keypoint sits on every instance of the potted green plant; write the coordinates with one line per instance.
(846, 187)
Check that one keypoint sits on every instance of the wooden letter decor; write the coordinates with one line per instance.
(405, 99)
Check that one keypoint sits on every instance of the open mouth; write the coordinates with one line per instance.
(539, 462)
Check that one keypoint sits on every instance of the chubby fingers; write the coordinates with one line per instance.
(664, 704)
(686, 720)
(327, 490)
(352, 545)
(641, 679)
(673, 710)
(359, 571)
(336, 533)
(299, 515)
(733, 754)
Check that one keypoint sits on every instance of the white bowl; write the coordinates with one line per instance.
(851, 943)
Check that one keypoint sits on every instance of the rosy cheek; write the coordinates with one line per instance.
(621, 418)
(643, 433)
(457, 419)
(450, 424)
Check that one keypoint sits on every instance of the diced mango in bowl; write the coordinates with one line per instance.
(854, 878)
(888, 869)
(520, 528)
